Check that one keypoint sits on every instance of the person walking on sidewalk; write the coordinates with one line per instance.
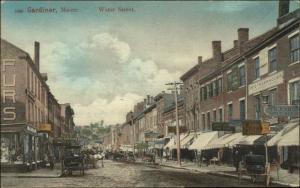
(236, 160)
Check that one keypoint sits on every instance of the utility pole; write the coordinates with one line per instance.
(133, 131)
(175, 84)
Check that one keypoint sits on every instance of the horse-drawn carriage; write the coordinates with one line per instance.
(72, 160)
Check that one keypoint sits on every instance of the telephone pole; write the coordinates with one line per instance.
(175, 85)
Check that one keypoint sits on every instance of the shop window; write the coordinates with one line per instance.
(11, 148)
(272, 58)
(242, 76)
(242, 110)
(257, 107)
(294, 93)
(230, 111)
(294, 49)
(256, 70)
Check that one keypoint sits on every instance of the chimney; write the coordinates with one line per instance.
(283, 7)
(199, 60)
(235, 43)
(217, 51)
(148, 99)
(243, 36)
(37, 55)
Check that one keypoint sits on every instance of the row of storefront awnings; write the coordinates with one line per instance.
(289, 136)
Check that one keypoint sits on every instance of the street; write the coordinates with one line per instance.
(117, 174)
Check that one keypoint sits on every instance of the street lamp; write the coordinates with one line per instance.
(175, 84)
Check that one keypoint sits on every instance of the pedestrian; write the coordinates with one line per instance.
(236, 160)
(167, 153)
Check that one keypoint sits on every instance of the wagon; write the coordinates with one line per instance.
(72, 160)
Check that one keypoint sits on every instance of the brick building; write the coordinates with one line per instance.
(24, 106)
(30, 114)
(263, 68)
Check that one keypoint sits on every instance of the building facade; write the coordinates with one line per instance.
(234, 84)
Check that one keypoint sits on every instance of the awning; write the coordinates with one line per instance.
(291, 138)
(185, 142)
(248, 140)
(223, 141)
(288, 136)
(203, 139)
(172, 143)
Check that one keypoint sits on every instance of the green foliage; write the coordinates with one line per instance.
(93, 132)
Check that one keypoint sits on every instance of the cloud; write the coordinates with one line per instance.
(233, 6)
(97, 73)
(101, 109)
(105, 41)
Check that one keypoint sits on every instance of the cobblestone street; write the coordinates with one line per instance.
(116, 174)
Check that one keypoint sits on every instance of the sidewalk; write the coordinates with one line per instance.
(38, 173)
(285, 178)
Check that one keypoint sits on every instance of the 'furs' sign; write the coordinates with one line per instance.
(8, 89)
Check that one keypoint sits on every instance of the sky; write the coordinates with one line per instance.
(103, 63)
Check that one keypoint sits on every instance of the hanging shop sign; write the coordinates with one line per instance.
(172, 129)
(45, 127)
(255, 127)
(266, 83)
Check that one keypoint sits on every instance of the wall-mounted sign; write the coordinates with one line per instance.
(283, 110)
(222, 126)
(255, 127)
(8, 90)
(266, 83)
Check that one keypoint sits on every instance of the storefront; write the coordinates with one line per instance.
(19, 147)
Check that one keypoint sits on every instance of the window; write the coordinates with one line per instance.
(294, 92)
(294, 49)
(256, 73)
(272, 98)
(220, 114)
(208, 121)
(203, 121)
(211, 90)
(242, 75)
(219, 85)
(201, 94)
(229, 81)
(205, 92)
(214, 85)
(242, 110)
(272, 59)
(257, 108)
(230, 111)
(215, 115)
